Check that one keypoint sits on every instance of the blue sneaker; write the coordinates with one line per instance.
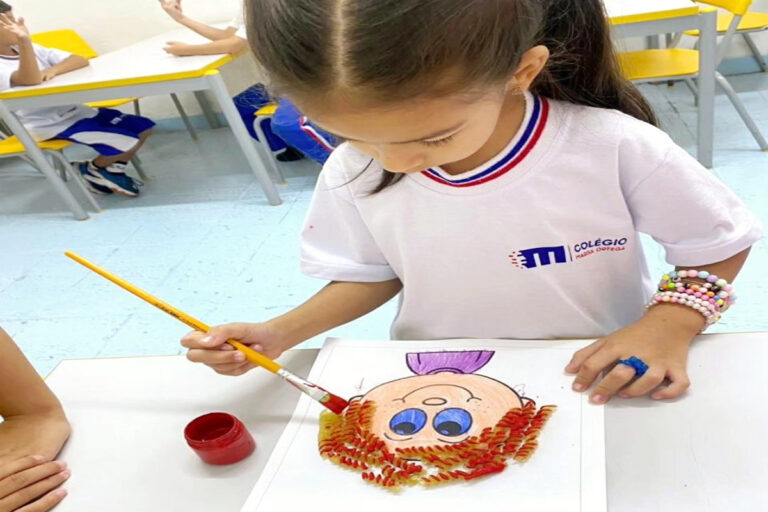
(113, 178)
(82, 167)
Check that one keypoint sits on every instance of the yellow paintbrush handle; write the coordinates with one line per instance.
(250, 354)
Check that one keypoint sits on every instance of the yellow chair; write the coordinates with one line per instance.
(673, 64)
(70, 41)
(12, 147)
(751, 23)
(262, 115)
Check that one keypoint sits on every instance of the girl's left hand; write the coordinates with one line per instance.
(48, 74)
(176, 48)
(661, 344)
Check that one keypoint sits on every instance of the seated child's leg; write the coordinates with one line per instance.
(291, 126)
(116, 137)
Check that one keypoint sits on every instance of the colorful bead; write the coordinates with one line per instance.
(703, 274)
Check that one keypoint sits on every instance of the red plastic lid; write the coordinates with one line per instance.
(219, 438)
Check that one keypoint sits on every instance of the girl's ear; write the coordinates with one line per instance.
(531, 65)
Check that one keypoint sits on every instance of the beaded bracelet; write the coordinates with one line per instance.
(711, 298)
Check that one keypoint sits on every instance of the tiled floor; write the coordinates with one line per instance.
(203, 238)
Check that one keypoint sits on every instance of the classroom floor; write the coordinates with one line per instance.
(203, 238)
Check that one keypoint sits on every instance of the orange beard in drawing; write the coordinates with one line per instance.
(444, 424)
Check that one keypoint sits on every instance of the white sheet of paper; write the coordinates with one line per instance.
(565, 474)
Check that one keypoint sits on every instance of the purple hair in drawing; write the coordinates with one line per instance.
(430, 363)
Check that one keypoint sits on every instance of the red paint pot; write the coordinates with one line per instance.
(219, 438)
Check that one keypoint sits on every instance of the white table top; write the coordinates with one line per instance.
(625, 10)
(703, 453)
(135, 63)
(127, 451)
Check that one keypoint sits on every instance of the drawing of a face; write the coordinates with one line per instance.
(440, 409)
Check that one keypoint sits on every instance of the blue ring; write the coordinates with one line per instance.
(637, 364)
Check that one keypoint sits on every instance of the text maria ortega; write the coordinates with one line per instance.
(561, 254)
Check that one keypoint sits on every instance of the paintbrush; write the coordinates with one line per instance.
(327, 399)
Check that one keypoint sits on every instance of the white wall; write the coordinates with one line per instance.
(111, 24)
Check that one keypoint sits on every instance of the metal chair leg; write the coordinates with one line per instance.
(692, 86)
(756, 52)
(139, 168)
(62, 171)
(136, 107)
(67, 169)
(264, 144)
(742, 110)
(184, 117)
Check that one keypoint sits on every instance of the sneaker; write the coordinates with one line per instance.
(289, 155)
(115, 181)
(82, 167)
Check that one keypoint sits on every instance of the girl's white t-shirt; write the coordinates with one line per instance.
(539, 243)
(44, 122)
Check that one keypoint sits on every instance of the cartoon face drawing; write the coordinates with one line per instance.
(443, 424)
(428, 410)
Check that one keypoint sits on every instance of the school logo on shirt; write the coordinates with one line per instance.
(557, 254)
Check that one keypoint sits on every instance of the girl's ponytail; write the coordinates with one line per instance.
(583, 68)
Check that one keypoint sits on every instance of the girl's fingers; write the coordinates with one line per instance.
(582, 355)
(644, 384)
(45, 503)
(19, 465)
(215, 357)
(33, 490)
(611, 383)
(591, 368)
(16, 481)
(232, 369)
(678, 385)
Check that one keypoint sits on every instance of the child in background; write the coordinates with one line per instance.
(117, 137)
(229, 40)
(288, 128)
(32, 433)
(497, 172)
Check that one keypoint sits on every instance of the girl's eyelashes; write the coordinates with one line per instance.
(438, 142)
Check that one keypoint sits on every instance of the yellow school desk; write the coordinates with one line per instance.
(632, 18)
(705, 452)
(141, 69)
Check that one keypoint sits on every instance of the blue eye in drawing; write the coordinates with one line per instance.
(408, 422)
(452, 422)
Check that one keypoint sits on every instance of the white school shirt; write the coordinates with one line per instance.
(46, 122)
(238, 22)
(539, 243)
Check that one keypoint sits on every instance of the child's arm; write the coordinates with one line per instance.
(231, 44)
(334, 305)
(661, 338)
(28, 72)
(174, 10)
(32, 434)
(71, 63)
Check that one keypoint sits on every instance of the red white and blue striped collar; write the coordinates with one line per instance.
(537, 113)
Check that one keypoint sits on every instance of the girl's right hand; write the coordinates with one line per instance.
(173, 8)
(211, 348)
(31, 484)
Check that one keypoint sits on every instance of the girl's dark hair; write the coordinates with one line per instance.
(4, 7)
(390, 50)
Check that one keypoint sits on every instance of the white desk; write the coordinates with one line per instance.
(704, 453)
(141, 69)
(632, 18)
